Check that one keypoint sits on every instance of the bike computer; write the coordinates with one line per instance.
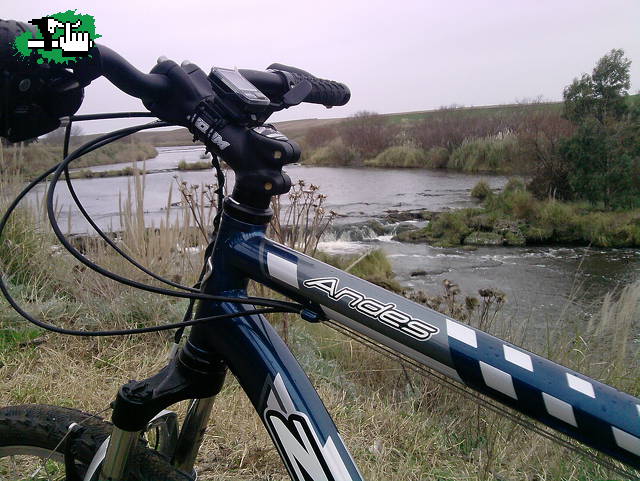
(243, 89)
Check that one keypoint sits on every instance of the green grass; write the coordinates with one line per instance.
(199, 165)
(519, 218)
(11, 339)
(479, 111)
(400, 156)
(97, 174)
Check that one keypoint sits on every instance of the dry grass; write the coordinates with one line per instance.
(32, 159)
(398, 425)
(184, 165)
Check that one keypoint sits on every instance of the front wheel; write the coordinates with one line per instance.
(31, 447)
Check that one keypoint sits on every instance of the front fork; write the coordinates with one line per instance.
(182, 453)
(190, 375)
(192, 433)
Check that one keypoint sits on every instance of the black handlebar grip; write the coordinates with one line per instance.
(324, 92)
(9, 30)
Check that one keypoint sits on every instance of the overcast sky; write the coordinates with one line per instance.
(395, 55)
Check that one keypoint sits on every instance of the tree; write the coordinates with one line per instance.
(605, 163)
(602, 94)
(602, 158)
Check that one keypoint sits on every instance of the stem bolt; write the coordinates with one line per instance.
(24, 85)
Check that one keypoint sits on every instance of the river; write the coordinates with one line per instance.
(540, 282)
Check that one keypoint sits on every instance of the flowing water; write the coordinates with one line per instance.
(540, 282)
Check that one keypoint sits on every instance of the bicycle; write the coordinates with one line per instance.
(227, 110)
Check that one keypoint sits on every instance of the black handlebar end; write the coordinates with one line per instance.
(325, 92)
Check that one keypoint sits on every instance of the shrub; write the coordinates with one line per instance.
(400, 156)
(561, 220)
(198, 165)
(319, 136)
(449, 127)
(373, 266)
(540, 134)
(604, 163)
(334, 153)
(37, 157)
(437, 157)
(449, 228)
(368, 133)
(514, 184)
(609, 230)
(494, 154)
(522, 204)
(519, 203)
(481, 190)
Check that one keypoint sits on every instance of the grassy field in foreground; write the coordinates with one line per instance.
(397, 424)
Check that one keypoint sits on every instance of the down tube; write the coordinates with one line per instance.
(295, 417)
(585, 409)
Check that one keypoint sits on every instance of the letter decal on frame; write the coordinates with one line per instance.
(386, 314)
(304, 455)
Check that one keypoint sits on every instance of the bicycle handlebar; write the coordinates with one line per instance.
(170, 91)
(275, 82)
(325, 92)
(128, 78)
(223, 110)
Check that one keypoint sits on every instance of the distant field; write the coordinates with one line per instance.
(297, 129)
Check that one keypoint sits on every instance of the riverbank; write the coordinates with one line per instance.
(500, 139)
(514, 217)
(32, 159)
(504, 139)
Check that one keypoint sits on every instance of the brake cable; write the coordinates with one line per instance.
(272, 306)
(120, 332)
(289, 306)
(216, 222)
(95, 227)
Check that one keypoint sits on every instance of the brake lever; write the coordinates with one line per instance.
(297, 94)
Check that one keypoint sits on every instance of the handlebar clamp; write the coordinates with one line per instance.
(205, 125)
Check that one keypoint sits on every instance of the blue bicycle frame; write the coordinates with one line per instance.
(303, 431)
(295, 417)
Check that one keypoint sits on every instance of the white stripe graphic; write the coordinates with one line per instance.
(559, 409)
(498, 380)
(626, 441)
(580, 385)
(462, 333)
(518, 358)
(282, 270)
